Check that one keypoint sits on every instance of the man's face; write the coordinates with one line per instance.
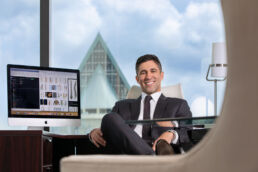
(149, 77)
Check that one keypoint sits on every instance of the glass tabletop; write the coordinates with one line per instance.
(197, 122)
(195, 127)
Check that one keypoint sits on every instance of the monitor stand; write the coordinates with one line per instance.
(35, 128)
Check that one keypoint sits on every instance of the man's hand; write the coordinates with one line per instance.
(96, 137)
(168, 136)
(165, 124)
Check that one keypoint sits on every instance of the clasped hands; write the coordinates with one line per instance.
(97, 139)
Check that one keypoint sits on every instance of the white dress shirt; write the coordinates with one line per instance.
(153, 103)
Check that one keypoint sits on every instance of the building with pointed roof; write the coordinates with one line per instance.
(102, 82)
(98, 95)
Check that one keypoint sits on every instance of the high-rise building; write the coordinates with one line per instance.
(102, 83)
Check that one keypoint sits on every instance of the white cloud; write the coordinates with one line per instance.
(19, 26)
(155, 9)
(203, 22)
(30, 3)
(195, 10)
(169, 33)
(200, 22)
(19, 33)
(202, 106)
(73, 27)
(164, 16)
(73, 24)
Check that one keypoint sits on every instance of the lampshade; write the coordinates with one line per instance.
(219, 60)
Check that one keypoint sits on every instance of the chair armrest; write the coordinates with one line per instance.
(125, 163)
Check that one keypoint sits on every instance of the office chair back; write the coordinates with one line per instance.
(168, 91)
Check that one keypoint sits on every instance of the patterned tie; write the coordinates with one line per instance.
(146, 128)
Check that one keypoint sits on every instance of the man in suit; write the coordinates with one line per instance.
(142, 139)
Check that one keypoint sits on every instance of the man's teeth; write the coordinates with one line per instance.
(149, 83)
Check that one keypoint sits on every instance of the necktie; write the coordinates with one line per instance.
(146, 128)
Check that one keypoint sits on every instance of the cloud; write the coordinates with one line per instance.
(202, 106)
(19, 39)
(204, 22)
(160, 18)
(29, 3)
(73, 24)
(169, 33)
(18, 26)
(162, 24)
(196, 26)
(152, 8)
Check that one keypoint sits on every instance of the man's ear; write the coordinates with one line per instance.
(137, 79)
(162, 75)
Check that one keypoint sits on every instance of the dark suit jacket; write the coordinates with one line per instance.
(166, 107)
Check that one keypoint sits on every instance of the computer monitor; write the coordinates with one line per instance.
(43, 96)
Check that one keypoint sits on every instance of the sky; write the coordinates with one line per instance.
(179, 32)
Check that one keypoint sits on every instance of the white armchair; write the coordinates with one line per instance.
(168, 91)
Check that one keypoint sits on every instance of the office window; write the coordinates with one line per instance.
(112, 34)
(19, 43)
(179, 32)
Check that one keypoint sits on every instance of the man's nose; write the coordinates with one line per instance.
(148, 75)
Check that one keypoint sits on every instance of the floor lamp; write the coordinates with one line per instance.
(218, 68)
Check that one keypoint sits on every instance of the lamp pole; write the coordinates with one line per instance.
(215, 97)
(215, 87)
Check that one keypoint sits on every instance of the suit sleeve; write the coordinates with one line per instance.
(184, 110)
(115, 108)
(184, 140)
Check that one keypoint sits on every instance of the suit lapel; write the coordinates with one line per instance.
(160, 107)
(136, 108)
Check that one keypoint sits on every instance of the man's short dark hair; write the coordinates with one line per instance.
(145, 58)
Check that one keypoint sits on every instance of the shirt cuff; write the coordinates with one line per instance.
(90, 138)
(175, 124)
(175, 138)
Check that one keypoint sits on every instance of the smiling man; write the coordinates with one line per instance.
(122, 138)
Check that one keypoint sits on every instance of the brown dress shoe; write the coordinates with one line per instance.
(164, 148)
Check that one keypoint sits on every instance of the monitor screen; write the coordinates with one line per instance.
(43, 96)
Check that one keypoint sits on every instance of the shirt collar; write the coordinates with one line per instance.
(155, 96)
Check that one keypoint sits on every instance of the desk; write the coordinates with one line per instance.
(35, 151)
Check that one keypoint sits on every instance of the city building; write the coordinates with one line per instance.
(102, 84)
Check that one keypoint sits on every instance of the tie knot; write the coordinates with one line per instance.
(147, 98)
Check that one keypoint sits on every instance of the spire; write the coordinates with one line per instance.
(99, 54)
(98, 93)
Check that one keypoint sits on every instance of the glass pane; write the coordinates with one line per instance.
(19, 43)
